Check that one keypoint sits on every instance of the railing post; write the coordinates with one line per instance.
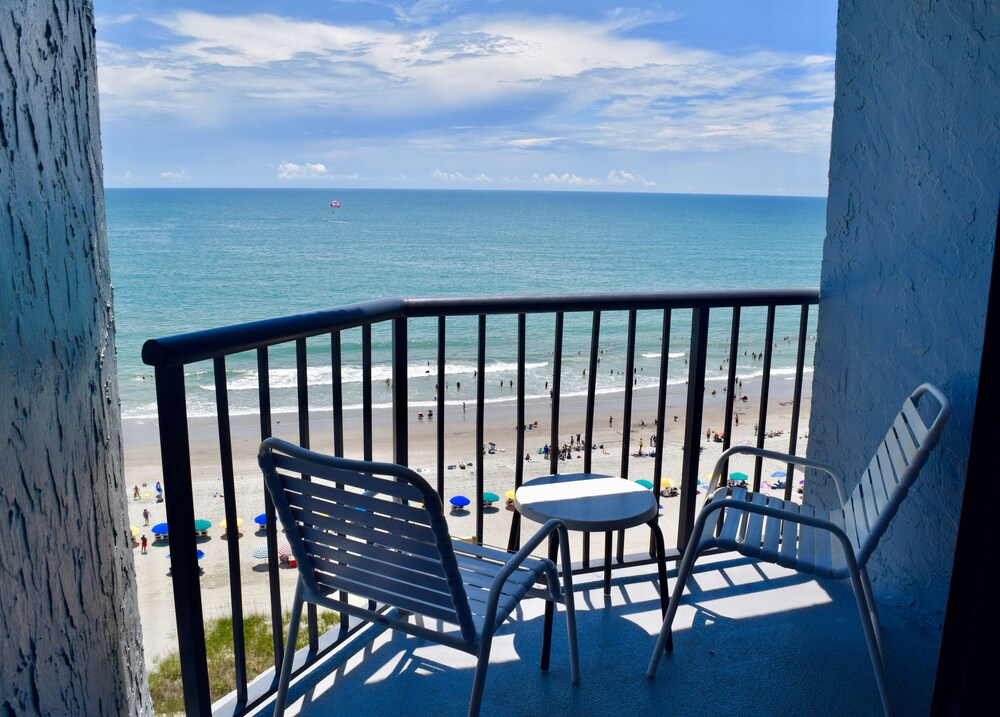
(175, 452)
(477, 500)
(556, 385)
(765, 385)
(400, 407)
(800, 359)
(692, 431)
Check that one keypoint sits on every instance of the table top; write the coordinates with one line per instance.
(586, 501)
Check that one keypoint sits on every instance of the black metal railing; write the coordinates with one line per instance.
(685, 312)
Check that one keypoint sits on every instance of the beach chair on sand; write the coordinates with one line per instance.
(827, 544)
(354, 528)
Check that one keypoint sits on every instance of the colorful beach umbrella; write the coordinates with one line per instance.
(201, 525)
(779, 474)
(201, 554)
(490, 498)
(459, 501)
(645, 483)
(510, 495)
(134, 529)
(159, 529)
(739, 477)
(261, 519)
(260, 552)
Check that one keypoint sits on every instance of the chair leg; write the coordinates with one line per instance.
(661, 567)
(870, 598)
(683, 573)
(550, 608)
(286, 663)
(871, 636)
(479, 680)
(569, 601)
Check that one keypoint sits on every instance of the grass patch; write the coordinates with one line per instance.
(165, 677)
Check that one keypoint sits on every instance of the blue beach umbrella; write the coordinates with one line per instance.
(459, 501)
(201, 554)
(261, 519)
(779, 474)
(160, 529)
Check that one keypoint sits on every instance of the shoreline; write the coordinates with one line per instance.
(143, 468)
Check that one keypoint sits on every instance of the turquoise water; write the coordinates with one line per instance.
(184, 260)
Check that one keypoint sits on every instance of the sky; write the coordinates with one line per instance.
(686, 96)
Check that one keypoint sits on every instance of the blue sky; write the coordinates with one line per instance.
(710, 96)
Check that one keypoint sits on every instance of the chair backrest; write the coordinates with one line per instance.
(893, 469)
(353, 526)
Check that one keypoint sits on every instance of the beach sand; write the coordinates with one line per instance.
(142, 468)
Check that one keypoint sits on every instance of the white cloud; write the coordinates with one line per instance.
(459, 176)
(564, 178)
(179, 174)
(532, 141)
(309, 170)
(620, 176)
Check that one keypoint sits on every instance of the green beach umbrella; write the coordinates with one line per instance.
(490, 498)
(739, 477)
(201, 525)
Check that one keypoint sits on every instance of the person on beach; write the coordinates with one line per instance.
(145, 515)
(144, 543)
(611, 420)
(135, 493)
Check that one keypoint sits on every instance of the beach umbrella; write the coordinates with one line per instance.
(261, 519)
(159, 529)
(779, 474)
(490, 498)
(459, 501)
(645, 483)
(739, 477)
(201, 525)
(285, 551)
(201, 554)
(225, 525)
(510, 495)
(134, 529)
(260, 552)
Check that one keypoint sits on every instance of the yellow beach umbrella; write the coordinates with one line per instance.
(135, 530)
(225, 526)
(510, 496)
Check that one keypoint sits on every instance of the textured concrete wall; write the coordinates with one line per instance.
(71, 641)
(914, 186)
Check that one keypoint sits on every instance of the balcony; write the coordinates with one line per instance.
(761, 637)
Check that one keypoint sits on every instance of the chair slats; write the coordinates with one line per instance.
(331, 516)
(396, 489)
(906, 443)
(333, 583)
(915, 422)
(380, 540)
(331, 495)
(755, 521)
(406, 567)
(772, 534)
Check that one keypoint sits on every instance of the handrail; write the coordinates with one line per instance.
(210, 343)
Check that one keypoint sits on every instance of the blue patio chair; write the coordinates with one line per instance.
(827, 544)
(353, 527)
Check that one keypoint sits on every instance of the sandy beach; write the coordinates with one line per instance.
(142, 468)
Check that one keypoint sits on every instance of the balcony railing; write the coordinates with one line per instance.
(396, 334)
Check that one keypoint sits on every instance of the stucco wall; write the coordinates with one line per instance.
(914, 186)
(70, 641)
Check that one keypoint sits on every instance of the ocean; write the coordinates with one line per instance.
(190, 259)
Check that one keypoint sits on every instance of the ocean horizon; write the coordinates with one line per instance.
(190, 259)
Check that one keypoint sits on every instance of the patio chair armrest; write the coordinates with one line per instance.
(784, 458)
(521, 555)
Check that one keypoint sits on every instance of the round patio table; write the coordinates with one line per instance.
(591, 502)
